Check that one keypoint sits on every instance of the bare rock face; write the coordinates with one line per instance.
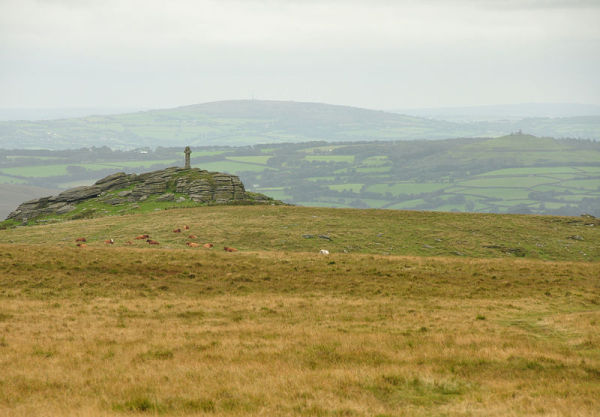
(199, 186)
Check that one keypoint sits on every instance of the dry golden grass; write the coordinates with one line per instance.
(128, 331)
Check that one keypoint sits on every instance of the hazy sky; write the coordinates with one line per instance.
(381, 54)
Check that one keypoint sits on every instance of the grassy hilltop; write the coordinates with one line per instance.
(306, 229)
(425, 314)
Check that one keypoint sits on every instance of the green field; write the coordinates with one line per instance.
(346, 187)
(40, 171)
(373, 169)
(257, 159)
(539, 171)
(375, 160)
(525, 181)
(330, 158)
(36, 171)
(135, 164)
(11, 180)
(232, 167)
(590, 185)
(41, 158)
(405, 188)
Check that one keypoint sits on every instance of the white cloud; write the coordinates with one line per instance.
(154, 23)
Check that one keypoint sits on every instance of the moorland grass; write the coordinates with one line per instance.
(308, 229)
(501, 318)
(125, 331)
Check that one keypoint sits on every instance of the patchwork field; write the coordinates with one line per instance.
(513, 174)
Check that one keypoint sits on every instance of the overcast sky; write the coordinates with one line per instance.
(381, 54)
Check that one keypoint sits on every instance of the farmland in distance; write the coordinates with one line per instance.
(511, 174)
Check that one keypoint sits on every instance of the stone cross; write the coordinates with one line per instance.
(187, 152)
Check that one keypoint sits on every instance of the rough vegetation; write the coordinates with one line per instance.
(118, 329)
(306, 229)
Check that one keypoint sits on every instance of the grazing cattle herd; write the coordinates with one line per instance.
(80, 242)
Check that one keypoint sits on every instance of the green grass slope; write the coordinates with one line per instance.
(303, 229)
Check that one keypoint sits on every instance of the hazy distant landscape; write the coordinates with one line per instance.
(324, 155)
(506, 112)
(250, 122)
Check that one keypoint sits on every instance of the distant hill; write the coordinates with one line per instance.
(249, 122)
(513, 112)
(48, 113)
(234, 123)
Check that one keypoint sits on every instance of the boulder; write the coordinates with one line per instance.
(115, 181)
(78, 194)
(66, 209)
(166, 197)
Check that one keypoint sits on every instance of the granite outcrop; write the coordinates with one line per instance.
(171, 184)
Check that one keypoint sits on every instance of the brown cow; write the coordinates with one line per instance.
(80, 239)
(152, 242)
(186, 227)
(129, 242)
(82, 245)
(208, 245)
(193, 244)
(177, 231)
(140, 237)
(109, 241)
(228, 249)
(192, 237)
